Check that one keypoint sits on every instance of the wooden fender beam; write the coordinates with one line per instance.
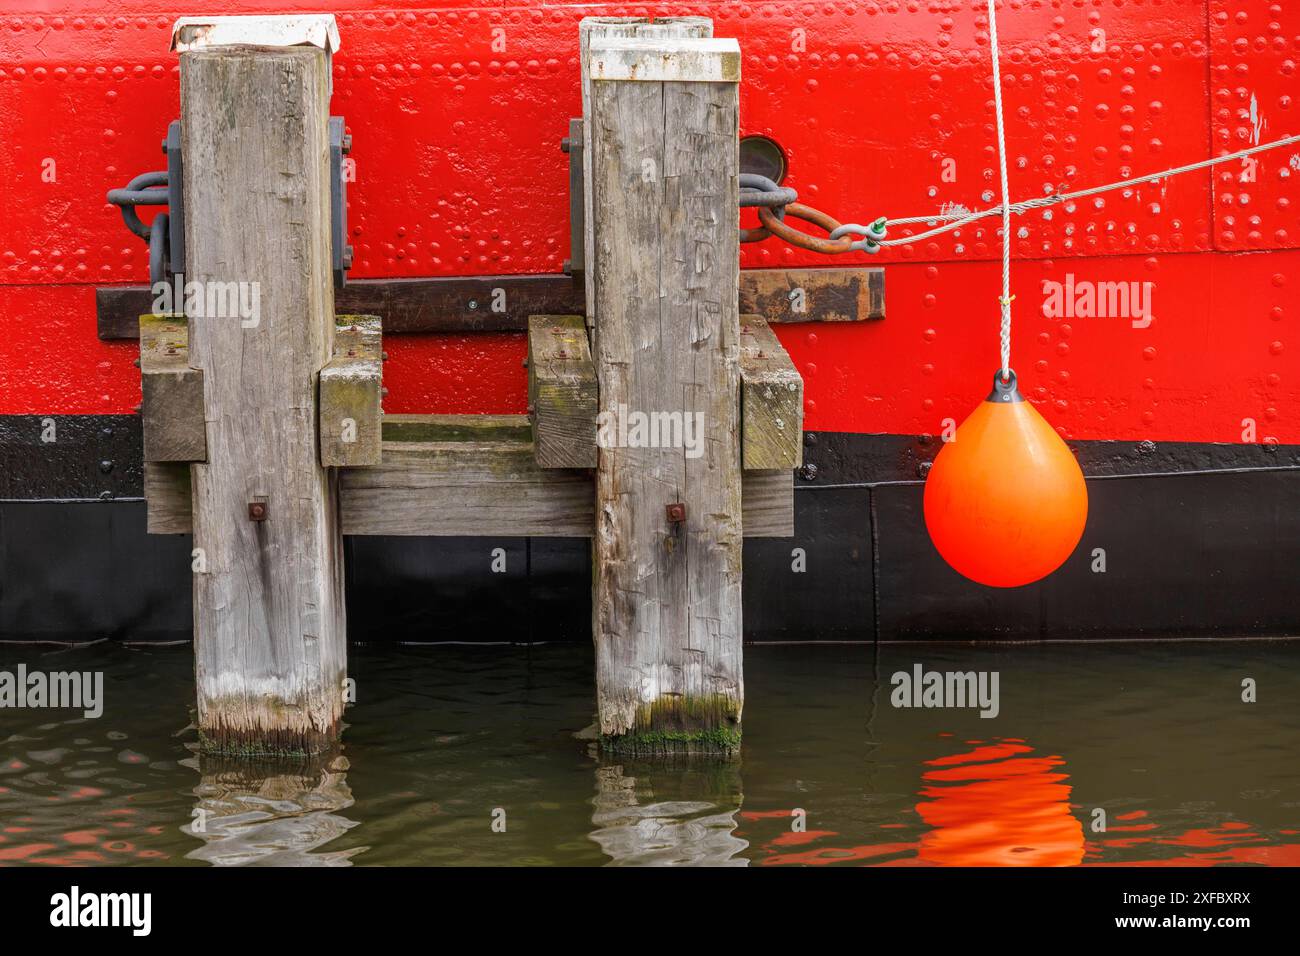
(771, 400)
(350, 393)
(561, 392)
(171, 407)
(468, 475)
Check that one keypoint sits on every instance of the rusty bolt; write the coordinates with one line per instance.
(257, 511)
(676, 512)
(808, 472)
(923, 468)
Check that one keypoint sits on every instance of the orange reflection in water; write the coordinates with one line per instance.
(997, 806)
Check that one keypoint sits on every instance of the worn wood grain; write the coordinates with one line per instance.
(768, 504)
(167, 495)
(351, 388)
(599, 28)
(171, 405)
(269, 629)
(420, 487)
(561, 392)
(771, 400)
(663, 270)
(814, 295)
(504, 303)
(493, 488)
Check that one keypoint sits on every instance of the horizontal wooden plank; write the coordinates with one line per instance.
(814, 295)
(771, 400)
(168, 502)
(504, 303)
(561, 392)
(445, 428)
(171, 405)
(767, 503)
(479, 479)
(350, 393)
(464, 488)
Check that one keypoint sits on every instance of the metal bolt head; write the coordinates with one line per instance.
(676, 512)
(257, 511)
(808, 472)
(923, 468)
(565, 145)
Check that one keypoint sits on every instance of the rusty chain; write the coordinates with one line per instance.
(773, 202)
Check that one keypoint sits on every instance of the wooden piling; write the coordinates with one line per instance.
(663, 268)
(591, 29)
(269, 625)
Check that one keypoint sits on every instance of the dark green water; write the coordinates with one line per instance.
(443, 738)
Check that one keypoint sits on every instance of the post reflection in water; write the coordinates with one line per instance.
(996, 805)
(271, 813)
(681, 815)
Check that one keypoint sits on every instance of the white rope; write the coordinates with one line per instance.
(1004, 335)
(1057, 198)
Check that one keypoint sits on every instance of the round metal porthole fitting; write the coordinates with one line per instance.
(762, 156)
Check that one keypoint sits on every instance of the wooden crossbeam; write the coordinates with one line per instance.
(446, 475)
(171, 407)
(771, 400)
(561, 392)
(350, 393)
(455, 304)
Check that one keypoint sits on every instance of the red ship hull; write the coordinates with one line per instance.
(456, 112)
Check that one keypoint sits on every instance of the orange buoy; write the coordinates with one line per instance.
(1005, 501)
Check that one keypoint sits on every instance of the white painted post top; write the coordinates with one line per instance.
(665, 59)
(199, 33)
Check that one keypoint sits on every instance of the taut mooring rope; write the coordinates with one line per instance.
(1004, 336)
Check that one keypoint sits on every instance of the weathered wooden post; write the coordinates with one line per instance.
(269, 629)
(663, 267)
(592, 29)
